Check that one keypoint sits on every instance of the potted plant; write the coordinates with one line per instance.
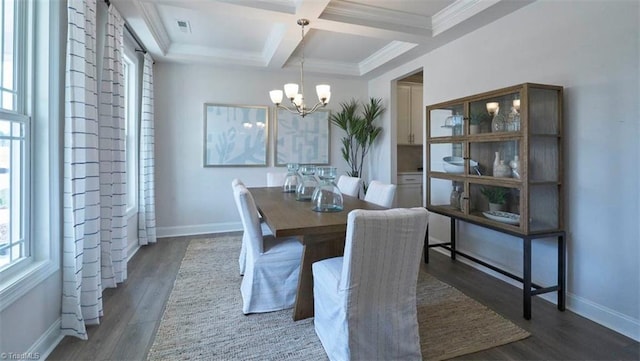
(360, 131)
(476, 121)
(497, 197)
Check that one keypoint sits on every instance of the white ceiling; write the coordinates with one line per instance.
(348, 38)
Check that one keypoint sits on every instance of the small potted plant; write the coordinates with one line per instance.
(497, 197)
(476, 121)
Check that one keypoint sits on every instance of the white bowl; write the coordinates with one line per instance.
(456, 164)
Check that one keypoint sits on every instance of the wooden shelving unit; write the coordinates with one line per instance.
(527, 125)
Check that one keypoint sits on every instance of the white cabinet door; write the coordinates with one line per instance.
(404, 114)
(410, 118)
(417, 119)
(409, 195)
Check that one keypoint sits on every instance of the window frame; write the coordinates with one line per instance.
(44, 81)
(132, 115)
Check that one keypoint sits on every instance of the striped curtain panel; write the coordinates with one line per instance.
(81, 251)
(113, 176)
(146, 188)
(94, 241)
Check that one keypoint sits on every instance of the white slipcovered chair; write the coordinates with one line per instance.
(275, 179)
(349, 185)
(365, 302)
(237, 184)
(272, 265)
(380, 193)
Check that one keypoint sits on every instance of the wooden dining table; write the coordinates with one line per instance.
(322, 234)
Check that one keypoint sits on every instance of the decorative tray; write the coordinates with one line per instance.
(504, 217)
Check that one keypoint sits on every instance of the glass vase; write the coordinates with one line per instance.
(498, 122)
(305, 189)
(327, 196)
(292, 179)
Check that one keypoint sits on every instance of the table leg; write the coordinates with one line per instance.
(316, 248)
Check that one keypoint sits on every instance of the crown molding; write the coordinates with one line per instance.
(343, 9)
(152, 20)
(384, 55)
(458, 12)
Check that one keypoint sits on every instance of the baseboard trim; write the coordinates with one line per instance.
(45, 344)
(595, 312)
(193, 230)
(132, 248)
(605, 316)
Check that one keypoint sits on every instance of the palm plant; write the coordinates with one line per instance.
(360, 131)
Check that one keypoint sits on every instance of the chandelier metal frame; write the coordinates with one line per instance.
(291, 90)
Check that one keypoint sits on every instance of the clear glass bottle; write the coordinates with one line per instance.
(454, 199)
(327, 196)
(292, 179)
(513, 121)
(308, 184)
(515, 167)
(498, 122)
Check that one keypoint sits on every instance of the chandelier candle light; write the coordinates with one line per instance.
(291, 89)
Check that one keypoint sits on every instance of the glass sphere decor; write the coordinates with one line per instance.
(292, 179)
(327, 196)
(308, 184)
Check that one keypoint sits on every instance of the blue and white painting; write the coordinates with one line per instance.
(235, 135)
(302, 140)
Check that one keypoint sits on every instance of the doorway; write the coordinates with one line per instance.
(409, 131)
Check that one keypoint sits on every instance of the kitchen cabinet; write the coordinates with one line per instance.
(409, 190)
(409, 116)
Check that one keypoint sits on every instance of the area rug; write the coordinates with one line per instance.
(203, 317)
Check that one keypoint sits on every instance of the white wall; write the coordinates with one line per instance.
(192, 199)
(592, 49)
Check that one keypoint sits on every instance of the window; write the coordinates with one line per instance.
(14, 134)
(31, 49)
(131, 128)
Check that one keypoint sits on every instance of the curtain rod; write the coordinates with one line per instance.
(131, 32)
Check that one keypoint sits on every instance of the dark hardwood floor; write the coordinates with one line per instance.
(133, 312)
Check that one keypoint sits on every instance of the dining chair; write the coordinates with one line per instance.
(365, 301)
(380, 193)
(275, 179)
(272, 265)
(350, 185)
(237, 184)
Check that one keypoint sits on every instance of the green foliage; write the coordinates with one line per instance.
(497, 195)
(360, 131)
(480, 117)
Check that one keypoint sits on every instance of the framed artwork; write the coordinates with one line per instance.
(302, 140)
(235, 135)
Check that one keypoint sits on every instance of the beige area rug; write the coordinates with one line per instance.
(203, 317)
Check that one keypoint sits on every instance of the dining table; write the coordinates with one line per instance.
(322, 234)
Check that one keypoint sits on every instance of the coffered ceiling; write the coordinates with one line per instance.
(348, 38)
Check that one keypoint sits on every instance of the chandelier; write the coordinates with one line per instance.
(291, 90)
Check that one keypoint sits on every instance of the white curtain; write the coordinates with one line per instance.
(146, 189)
(113, 177)
(94, 242)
